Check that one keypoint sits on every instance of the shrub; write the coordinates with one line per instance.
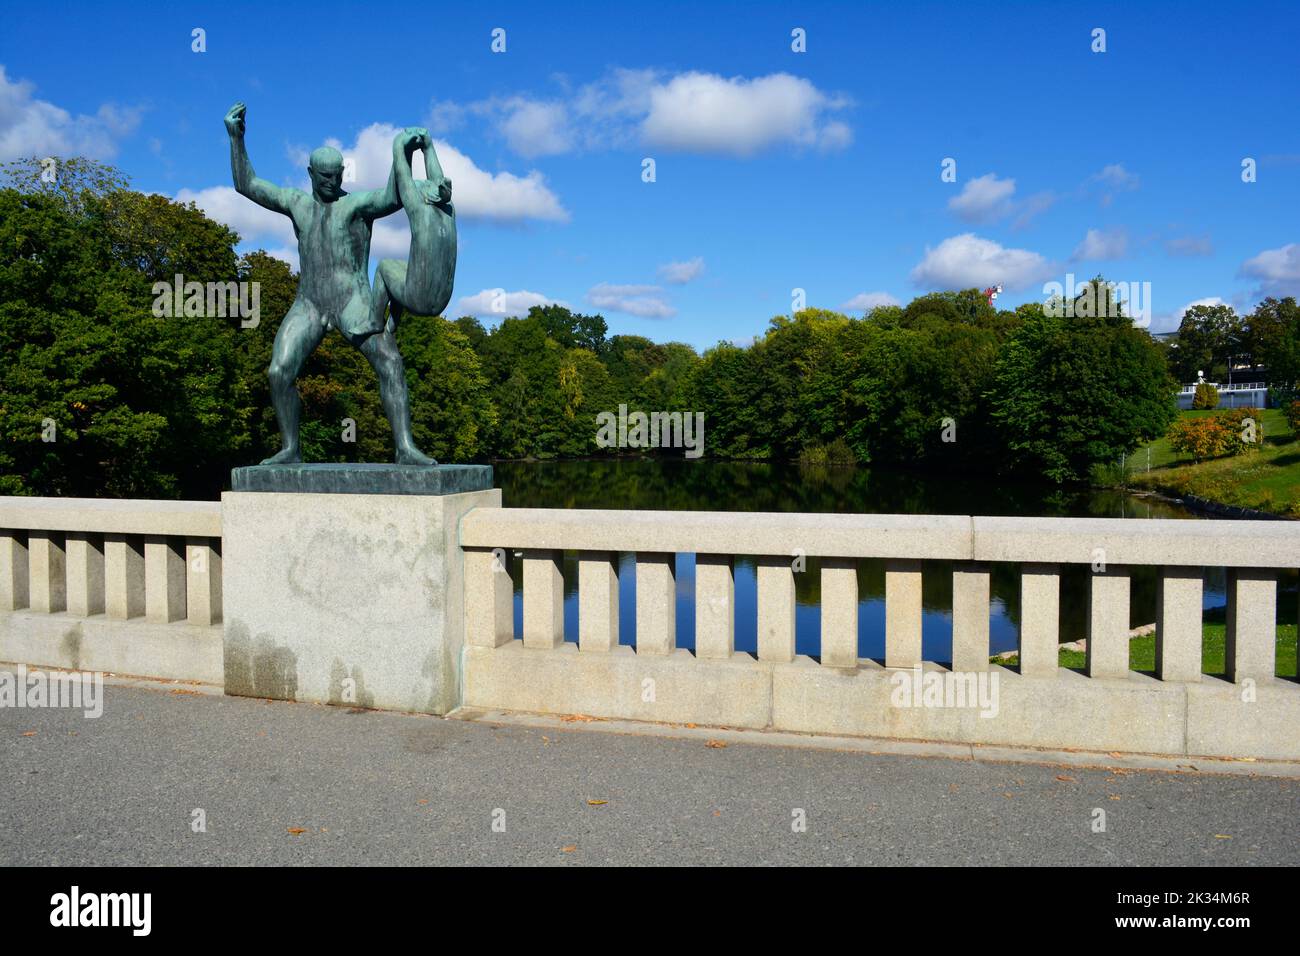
(1113, 474)
(1292, 412)
(1213, 436)
(836, 452)
(1206, 396)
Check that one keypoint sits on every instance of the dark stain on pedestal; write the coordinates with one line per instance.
(71, 646)
(258, 668)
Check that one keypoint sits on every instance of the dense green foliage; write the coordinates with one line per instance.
(99, 396)
(1074, 392)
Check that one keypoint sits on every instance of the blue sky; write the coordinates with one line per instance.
(774, 170)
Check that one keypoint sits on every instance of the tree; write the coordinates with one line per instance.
(97, 395)
(571, 330)
(1071, 392)
(451, 407)
(1274, 335)
(1208, 336)
(70, 181)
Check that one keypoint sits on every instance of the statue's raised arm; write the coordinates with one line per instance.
(377, 203)
(263, 193)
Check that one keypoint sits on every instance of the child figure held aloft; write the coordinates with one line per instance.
(423, 283)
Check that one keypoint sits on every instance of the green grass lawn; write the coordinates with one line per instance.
(1142, 652)
(1267, 479)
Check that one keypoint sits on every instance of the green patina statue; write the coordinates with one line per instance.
(333, 229)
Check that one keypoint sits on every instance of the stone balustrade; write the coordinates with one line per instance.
(127, 586)
(1246, 712)
(407, 602)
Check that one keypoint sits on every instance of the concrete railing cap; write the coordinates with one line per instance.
(1160, 541)
(199, 519)
(1156, 541)
(721, 532)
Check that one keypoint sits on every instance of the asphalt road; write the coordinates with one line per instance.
(377, 788)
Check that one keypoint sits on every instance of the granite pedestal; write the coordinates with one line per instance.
(344, 583)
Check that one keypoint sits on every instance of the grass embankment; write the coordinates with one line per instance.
(1142, 652)
(1267, 479)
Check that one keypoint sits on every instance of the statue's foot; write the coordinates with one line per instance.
(413, 456)
(285, 456)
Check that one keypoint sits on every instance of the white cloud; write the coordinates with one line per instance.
(534, 128)
(1277, 269)
(477, 194)
(866, 301)
(966, 261)
(707, 113)
(987, 199)
(983, 199)
(496, 303)
(680, 273)
(32, 127)
(1099, 245)
(645, 301)
(692, 112)
(1186, 246)
(1117, 177)
(1032, 206)
(1113, 179)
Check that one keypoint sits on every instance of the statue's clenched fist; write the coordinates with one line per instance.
(413, 138)
(235, 119)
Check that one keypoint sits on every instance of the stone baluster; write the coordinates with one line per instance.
(543, 598)
(597, 601)
(656, 603)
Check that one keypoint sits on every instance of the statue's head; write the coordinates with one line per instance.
(326, 170)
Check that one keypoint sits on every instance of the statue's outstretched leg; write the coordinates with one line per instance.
(298, 336)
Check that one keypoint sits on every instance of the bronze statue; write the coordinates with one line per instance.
(333, 229)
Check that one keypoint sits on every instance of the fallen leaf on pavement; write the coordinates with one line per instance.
(716, 744)
(569, 849)
(296, 830)
(1061, 776)
(28, 733)
(597, 803)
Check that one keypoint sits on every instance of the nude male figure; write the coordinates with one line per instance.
(333, 229)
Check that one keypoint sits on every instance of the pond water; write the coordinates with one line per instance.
(680, 485)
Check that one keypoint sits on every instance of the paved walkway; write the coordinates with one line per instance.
(376, 788)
